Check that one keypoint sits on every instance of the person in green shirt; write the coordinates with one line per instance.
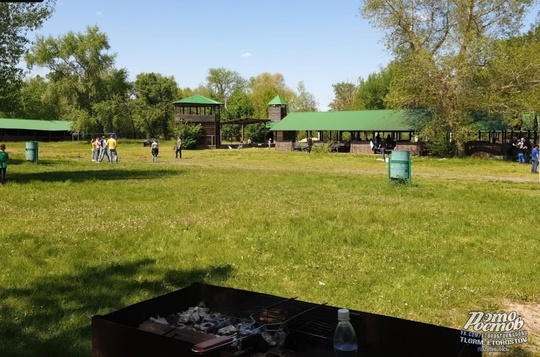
(4, 158)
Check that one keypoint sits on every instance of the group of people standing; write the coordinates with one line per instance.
(102, 147)
(523, 150)
(154, 149)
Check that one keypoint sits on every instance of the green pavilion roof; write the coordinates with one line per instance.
(277, 101)
(197, 100)
(360, 120)
(31, 124)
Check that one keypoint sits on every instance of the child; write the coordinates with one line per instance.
(4, 158)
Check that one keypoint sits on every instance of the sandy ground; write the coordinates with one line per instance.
(531, 316)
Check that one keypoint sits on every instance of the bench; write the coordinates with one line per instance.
(300, 147)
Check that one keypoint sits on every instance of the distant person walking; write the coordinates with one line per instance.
(534, 160)
(155, 150)
(178, 147)
(4, 158)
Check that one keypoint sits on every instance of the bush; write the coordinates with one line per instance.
(191, 135)
(442, 148)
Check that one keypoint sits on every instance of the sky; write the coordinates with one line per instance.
(318, 42)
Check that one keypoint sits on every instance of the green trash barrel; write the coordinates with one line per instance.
(32, 151)
(399, 167)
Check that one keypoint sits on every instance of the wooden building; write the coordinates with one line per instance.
(204, 111)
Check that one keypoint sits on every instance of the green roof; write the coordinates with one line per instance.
(360, 120)
(31, 124)
(277, 101)
(197, 100)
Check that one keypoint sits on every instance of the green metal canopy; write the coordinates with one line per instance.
(197, 99)
(31, 124)
(360, 120)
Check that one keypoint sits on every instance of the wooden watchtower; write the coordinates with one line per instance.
(277, 110)
(204, 111)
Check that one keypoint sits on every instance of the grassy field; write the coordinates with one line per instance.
(80, 238)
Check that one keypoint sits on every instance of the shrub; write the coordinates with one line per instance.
(191, 135)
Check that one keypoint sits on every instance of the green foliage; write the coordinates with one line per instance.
(191, 135)
(322, 148)
(223, 83)
(264, 88)
(440, 57)
(371, 94)
(239, 107)
(152, 107)
(441, 148)
(38, 100)
(82, 74)
(344, 97)
(16, 21)
(302, 100)
(256, 132)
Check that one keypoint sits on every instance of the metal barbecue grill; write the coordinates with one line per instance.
(308, 328)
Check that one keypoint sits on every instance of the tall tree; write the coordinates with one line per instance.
(223, 82)
(344, 97)
(302, 101)
(509, 82)
(16, 21)
(264, 88)
(38, 99)
(154, 111)
(372, 91)
(439, 44)
(83, 73)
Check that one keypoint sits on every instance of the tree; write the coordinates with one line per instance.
(344, 97)
(240, 106)
(302, 101)
(83, 73)
(264, 88)
(371, 93)
(508, 85)
(439, 46)
(154, 95)
(223, 83)
(16, 20)
(38, 100)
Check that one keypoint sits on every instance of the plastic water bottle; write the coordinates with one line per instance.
(345, 344)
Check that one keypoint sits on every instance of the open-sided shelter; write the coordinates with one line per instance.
(38, 130)
(362, 125)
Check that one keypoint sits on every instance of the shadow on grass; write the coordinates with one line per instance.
(44, 319)
(89, 175)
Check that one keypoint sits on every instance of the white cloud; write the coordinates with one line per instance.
(98, 13)
(247, 55)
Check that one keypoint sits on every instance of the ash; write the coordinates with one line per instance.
(251, 338)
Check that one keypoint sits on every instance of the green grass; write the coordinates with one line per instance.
(80, 238)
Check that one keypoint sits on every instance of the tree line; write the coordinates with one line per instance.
(458, 66)
(84, 85)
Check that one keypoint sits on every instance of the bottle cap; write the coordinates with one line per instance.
(343, 314)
